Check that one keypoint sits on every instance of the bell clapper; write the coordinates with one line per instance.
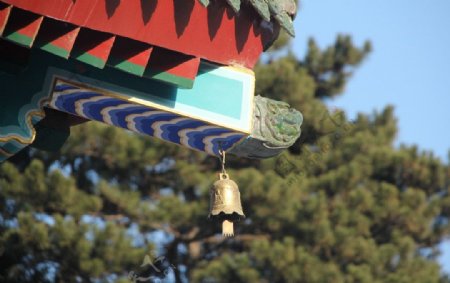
(227, 228)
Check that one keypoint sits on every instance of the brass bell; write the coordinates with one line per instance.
(225, 203)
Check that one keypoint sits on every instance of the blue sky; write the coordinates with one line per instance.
(408, 68)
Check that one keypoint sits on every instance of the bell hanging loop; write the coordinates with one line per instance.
(223, 176)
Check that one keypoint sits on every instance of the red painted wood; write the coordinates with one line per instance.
(216, 34)
(54, 8)
(174, 63)
(58, 34)
(135, 52)
(4, 15)
(24, 23)
(93, 43)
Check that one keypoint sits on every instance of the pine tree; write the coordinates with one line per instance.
(342, 205)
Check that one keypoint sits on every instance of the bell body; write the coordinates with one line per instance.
(225, 203)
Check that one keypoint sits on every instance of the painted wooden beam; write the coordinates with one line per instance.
(173, 67)
(218, 109)
(93, 47)
(22, 27)
(5, 10)
(232, 88)
(113, 109)
(57, 37)
(130, 56)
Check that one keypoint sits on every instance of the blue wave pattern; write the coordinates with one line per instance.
(175, 128)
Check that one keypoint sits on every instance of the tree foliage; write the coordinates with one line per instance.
(342, 205)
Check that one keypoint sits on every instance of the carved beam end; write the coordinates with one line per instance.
(276, 127)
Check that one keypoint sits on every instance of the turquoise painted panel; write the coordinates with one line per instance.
(214, 92)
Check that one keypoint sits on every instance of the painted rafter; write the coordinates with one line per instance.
(215, 33)
(97, 48)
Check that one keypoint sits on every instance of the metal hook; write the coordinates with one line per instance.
(222, 160)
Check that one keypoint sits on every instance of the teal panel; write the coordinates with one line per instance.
(214, 93)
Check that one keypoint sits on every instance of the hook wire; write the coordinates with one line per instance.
(222, 160)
